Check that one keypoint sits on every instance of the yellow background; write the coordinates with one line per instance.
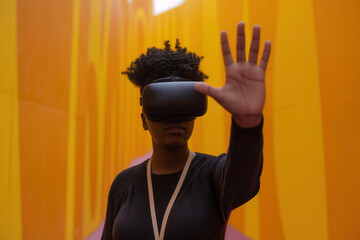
(70, 121)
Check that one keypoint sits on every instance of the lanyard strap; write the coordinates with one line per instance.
(172, 200)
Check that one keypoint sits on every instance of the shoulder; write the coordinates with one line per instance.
(203, 160)
(203, 157)
(129, 176)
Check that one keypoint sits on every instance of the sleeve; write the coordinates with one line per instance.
(110, 215)
(236, 175)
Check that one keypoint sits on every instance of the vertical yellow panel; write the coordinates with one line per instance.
(98, 58)
(174, 30)
(298, 143)
(142, 36)
(101, 93)
(113, 123)
(157, 28)
(70, 179)
(121, 100)
(10, 201)
(214, 124)
(252, 218)
(340, 87)
(127, 123)
(167, 30)
(88, 221)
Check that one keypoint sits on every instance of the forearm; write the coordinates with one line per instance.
(244, 162)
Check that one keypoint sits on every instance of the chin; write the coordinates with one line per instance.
(176, 143)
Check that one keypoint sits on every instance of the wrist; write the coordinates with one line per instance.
(247, 121)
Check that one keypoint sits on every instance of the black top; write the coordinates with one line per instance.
(213, 187)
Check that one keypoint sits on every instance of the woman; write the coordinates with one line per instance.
(178, 194)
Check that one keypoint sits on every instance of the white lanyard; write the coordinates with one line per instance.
(172, 200)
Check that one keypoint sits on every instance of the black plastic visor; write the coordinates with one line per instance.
(173, 101)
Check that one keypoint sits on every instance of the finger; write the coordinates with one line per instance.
(226, 49)
(205, 88)
(266, 55)
(240, 45)
(254, 48)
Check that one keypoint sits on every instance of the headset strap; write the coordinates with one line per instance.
(172, 200)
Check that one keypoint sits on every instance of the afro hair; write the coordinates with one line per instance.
(159, 63)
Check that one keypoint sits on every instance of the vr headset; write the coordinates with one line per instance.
(172, 98)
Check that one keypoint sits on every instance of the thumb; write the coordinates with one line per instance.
(205, 88)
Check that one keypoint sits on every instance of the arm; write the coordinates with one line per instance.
(236, 175)
(243, 166)
(110, 216)
(243, 95)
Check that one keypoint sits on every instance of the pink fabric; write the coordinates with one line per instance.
(234, 234)
(140, 159)
(231, 233)
(96, 235)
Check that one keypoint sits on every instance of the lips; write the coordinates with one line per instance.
(174, 128)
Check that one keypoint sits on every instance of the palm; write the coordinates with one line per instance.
(244, 91)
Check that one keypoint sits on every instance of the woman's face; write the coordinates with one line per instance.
(170, 133)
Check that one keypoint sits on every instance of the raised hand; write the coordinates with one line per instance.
(243, 94)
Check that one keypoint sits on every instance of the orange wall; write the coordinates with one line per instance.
(70, 121)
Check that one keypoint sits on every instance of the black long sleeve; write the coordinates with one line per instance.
(213, 187)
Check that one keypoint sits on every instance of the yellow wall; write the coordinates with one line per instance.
(70, 121)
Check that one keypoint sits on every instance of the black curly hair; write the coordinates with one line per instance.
(159, 63)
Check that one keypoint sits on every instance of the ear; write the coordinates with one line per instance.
(145, 126)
